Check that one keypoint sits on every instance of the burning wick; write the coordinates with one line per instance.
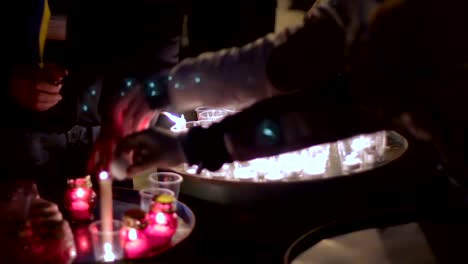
(108, 254)
(80, 193)
(132, 234)
(180, 124)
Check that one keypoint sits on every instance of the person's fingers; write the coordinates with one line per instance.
(145, 122)
(41, 107)
(131, 142)
(42, 210)
(47, 98)
(53, 73)
(48, 88)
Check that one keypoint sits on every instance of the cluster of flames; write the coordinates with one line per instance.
(350, 155)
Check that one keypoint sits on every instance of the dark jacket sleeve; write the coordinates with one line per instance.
(124, 40)
(280, 124)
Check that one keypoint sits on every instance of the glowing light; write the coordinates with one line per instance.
(197, 79)
(161, 218)
(80, 193)
(360, 143)
(180, 124)
(109, 256)
(103, 175)
(85, 108)
(313, 161)
(352, 159)
(132, 234)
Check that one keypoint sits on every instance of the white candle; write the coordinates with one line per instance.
(105, 185)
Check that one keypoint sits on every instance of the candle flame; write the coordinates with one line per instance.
(161, 218)
(108, 254)
(103, 175)
(132, 234)
(80, 193)
(178, 121)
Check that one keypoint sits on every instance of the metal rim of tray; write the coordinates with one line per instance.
(216, 189)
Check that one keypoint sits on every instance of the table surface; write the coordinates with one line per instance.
(262, 232)
(123, 200)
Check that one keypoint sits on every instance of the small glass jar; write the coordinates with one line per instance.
(80, 199)
(133, 237)
(162, 220)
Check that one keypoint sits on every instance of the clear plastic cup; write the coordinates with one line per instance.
(167, 180)
(201, 109)
(214, 115)
(106, 244)
(147, 196)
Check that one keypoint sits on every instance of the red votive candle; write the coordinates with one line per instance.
(162, 220)
(133, 237)
(80, 199)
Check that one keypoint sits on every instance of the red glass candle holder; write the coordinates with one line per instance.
(134, 240)
(80, 199)
(162, 220)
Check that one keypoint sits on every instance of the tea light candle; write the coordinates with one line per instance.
(245, 174)
(351, 162)
(159, 232)
(80, 199)
(162, 223)
(136, 244)
(134, 239)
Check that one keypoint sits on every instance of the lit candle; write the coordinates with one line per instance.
(162, 221)
(245, 174)
(109, 255)
(351, 162)
(105, 185)
(180, 124)
(134, 239)
(80, 199)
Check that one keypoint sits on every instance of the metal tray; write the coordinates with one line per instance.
(240, 192)
(125, 199)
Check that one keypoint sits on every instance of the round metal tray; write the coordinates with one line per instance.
(125, 199)
(242, 192)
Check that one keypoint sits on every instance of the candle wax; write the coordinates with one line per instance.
(159, 235)
(135, 248)
(80, 210)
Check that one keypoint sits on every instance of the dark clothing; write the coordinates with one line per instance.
(213, 25)
(106, 42)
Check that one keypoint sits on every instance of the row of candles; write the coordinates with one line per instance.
(139, 232)
(352, 155)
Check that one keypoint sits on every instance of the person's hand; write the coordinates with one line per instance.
(149, 148)
(37, 89)
(130, 114)
(47, 237)
(43, 211)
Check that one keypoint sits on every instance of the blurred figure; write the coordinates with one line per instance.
(213, 25)
(377, 46)
(87, 53)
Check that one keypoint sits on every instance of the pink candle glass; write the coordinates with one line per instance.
(134, 240)
(162, 221)
(80, 199)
